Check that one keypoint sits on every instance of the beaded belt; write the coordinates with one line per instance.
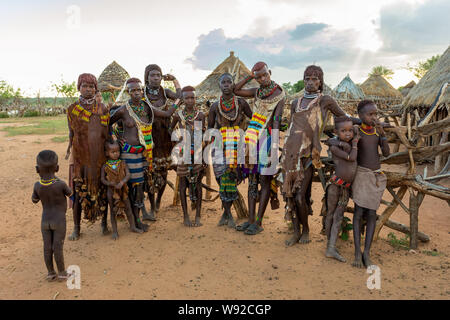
(338, 181)
(132, 149)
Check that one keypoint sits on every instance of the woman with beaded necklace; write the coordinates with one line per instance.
(158, 97)
(137, 117)
(88, 130)
(227, 114)
(301, 152)
(268, 108)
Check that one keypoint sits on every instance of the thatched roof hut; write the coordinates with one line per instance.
(348, 90)
(112, 78)
(406, 89)
(425, 92)
(376, 87)
(209, 88)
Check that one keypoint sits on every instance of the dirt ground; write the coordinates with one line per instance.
(175, 262)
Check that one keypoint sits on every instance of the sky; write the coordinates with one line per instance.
(44, 42)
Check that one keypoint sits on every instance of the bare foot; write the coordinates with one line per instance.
(51, 276)
(148, 216)
(293, 240)
(223, 220)
(366, 259)
(197, 222)
(357, 263)
(63, 276)
(304, 238)
(105, 230)
(136, 230)
(75, 235)
(143, 226)
(187, 222)
(115, 236)
(333, 253)
(231, 223)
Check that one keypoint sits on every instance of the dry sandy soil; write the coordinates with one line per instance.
(210, 262)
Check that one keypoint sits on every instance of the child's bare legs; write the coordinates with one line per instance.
(357, 219)
(371, 218)
(130, 218)
(47, 237)
(59, 234)
(199, 192)
(104, 224)
(332, 194)
(109, 194)
(183, 186)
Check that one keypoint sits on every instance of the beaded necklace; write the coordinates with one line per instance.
(370, 130)
(191, 116)
(153, 92)
(224, 108)
(139, 110)
(87, 101)
(308, 95)
(113, 163)
(264, 92)
(48, 182)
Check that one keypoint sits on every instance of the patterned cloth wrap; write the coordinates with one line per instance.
(225, 172)
(134, 158)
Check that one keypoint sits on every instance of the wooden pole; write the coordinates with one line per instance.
(414, 203)
(384, 217)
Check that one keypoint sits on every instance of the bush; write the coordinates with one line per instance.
(4, 115)
(31, 113)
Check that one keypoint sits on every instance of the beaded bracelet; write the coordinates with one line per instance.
(248, 79)
(277, 118)
(175, 106)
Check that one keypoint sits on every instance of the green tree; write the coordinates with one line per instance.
(66, 89)
(381, 71)
(293, 88)
(288, 87)
(422, 67)
(299, 85)
(7, 92)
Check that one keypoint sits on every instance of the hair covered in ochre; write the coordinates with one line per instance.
(313, 70)
(86, 78)
(258, 66)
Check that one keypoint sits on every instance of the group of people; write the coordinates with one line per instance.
(119, 153)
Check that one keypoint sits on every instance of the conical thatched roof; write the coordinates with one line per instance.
(113, 75)
(406, 89)
(348, 90)
(326, 90)
(209, 87)
(377, 87)
(425, 92)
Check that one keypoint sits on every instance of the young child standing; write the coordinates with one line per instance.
(190, 174)
(115, 175)
(337, 191)
(52, 192)
(370, 181)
